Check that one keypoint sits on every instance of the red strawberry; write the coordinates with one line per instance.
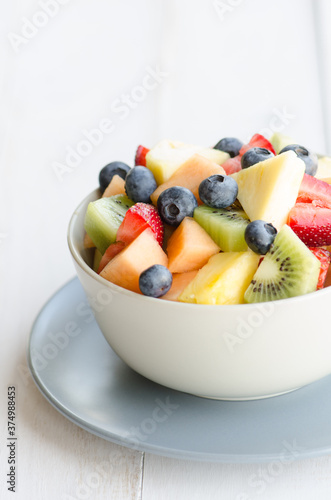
(110, 253)
(138, 218)
(140, 158)
(257, 141)
(311, 223)
(232, 165)
(324, 257)
(314, 191)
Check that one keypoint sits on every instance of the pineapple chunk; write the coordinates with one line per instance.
(223, 280)
(269, 189)
(167, 156)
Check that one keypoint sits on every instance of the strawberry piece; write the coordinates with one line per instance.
(314, 191)
(138, 218)
(312, 224)
(110, 253)
(324, 257)
(232, 165)
(257, 141)
(140, 158)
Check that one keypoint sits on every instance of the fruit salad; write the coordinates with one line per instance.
(233, 224)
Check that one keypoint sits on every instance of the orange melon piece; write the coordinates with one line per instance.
(179, 282)
(124, 269)
(190, 247)
(116, 186)
(190, 175)
(327, 179)
(88, 243)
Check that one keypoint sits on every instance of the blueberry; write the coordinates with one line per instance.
(140, 184)
(255, 155)
(230, 145)
(310, 159)
(175, 203)
(155, 281)
(107, 173)
(218, 191)
(259, 236)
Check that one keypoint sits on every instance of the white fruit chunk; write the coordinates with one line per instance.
(268, 190)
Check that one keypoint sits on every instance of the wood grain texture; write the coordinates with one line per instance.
(253, 69)
(167, 479)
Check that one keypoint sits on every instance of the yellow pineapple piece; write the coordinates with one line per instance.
(324, 169)
(268, 190)
(223, 280)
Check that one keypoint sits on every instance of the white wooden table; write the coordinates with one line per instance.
(216, 68)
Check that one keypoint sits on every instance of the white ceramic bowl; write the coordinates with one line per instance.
(226, 352)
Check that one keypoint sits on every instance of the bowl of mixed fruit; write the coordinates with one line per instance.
(207, 268)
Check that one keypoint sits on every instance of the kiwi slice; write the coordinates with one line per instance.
(104, 217)
(225, 226)
(287, 270)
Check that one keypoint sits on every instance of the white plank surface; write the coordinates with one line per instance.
(230, 76)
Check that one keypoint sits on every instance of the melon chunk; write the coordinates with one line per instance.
(167, 156)
(189, 247)
(88, 243)
(190, 175)
(124, 269)
(268, 190)
(279, 141)
(116, 186)
(179, 283)
(96, 259)
(223, 280)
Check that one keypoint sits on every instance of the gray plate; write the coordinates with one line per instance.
(82, 377)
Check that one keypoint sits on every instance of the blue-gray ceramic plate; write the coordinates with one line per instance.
(80, 375)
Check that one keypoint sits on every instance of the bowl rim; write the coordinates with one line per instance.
(166, 303)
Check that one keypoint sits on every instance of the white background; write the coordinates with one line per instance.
(226, 71)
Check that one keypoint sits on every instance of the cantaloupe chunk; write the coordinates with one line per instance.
(96, 259)
(223, 280)
(327, 179)
(190, 175)
(124, 269)
(88, 243)
(167, 156)
(116, 186)
(268, 190)
(189, 247)
(179, 282)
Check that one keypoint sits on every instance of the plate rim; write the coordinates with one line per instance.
(199, 456)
